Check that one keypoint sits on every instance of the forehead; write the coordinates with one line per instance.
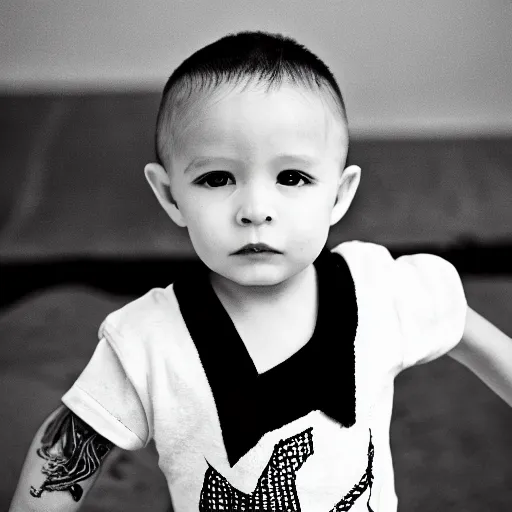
(254, 117)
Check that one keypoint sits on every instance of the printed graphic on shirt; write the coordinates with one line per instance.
(276, 488)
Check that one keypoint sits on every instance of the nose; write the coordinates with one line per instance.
(255, 206)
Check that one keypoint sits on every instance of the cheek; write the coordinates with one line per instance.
(314, 220)
(314, 210)
(205, 222)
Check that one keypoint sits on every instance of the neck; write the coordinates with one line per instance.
(246, 299)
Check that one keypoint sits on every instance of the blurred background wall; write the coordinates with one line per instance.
(432, 66)
(428, 87)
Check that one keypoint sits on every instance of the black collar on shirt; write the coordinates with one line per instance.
(319, 376)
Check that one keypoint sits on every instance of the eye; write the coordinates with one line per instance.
(214, 179)
(291, 178)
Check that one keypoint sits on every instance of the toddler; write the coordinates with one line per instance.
(265, 375)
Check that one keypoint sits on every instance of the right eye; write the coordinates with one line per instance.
(214, 179)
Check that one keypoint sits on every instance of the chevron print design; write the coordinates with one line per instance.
(276, 486)
(275, 490)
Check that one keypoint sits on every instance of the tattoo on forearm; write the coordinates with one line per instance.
(74, 452)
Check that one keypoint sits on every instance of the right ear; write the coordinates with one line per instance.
(158, 180)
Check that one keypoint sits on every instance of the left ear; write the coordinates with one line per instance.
(159, 182)
(349, 181)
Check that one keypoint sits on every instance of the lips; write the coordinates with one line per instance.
(256, 248)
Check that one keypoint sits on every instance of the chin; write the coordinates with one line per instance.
(256, 277)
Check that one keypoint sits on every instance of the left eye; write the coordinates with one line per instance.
(214, 179)
(291, 178)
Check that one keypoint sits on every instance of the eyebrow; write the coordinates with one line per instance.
(200, 162)
(308, 160)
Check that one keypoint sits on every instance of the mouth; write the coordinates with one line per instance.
(256, 249)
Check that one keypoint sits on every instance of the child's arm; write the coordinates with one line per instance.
(487, 352)
(61, 465)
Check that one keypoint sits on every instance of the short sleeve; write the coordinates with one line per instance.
(431, 307)
(104, 397)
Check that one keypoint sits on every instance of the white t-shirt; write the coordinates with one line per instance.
(310, 434)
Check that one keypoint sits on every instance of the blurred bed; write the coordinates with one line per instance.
(81, 234)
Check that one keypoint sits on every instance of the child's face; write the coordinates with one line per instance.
(258, 167)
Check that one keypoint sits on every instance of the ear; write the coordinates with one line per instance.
(349, 181)
(159, 181)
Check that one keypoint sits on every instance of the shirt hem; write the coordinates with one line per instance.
(92, 412)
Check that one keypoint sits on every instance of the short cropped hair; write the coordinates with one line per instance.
(238, 59)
